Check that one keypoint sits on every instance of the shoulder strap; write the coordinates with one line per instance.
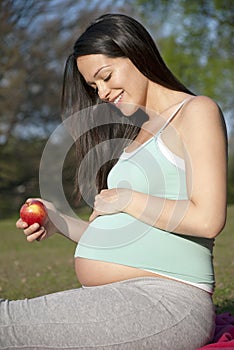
(172, 116)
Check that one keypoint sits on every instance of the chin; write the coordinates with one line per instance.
(128, 109)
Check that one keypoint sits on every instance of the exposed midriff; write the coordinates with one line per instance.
(94, 272)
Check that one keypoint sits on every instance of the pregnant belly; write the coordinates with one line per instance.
(108, 231)
(94, 272)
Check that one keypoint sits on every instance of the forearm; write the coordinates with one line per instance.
(178, 216)
(70, 227)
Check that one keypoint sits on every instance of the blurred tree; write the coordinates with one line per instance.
(36, 37)
(19, 168)
(13, 74)
(196, 39)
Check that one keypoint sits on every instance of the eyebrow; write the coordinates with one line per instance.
(96, 73)
(100, 70)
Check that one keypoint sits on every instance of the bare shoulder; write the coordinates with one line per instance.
(201, 112)
(202, 107)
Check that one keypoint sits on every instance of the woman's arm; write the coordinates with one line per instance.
(203, 134)
(70, 227)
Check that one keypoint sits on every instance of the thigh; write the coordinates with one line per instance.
(143, 313)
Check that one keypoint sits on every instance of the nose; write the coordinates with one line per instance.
(103, 91)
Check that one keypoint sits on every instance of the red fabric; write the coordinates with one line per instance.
(224, 333)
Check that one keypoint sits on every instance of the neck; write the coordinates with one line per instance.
(159, 99)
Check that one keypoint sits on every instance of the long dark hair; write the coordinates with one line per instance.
(113, 35)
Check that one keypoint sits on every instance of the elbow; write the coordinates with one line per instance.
(212, 228)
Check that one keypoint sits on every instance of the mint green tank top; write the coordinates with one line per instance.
(122, 239)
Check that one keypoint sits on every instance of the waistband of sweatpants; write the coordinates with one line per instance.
(160, 282)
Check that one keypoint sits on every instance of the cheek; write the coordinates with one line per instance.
(135, 98)
(139, 88)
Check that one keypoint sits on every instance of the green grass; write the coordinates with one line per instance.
(32, 269)
(224, 266)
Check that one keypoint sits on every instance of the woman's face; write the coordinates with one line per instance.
(116, 80)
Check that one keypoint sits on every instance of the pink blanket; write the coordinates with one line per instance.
(224, 333)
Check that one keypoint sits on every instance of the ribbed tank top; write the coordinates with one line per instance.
(120, 238)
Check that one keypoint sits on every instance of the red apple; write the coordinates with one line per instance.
(33, 212)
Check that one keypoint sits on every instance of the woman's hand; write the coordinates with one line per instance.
(111, 201)
(35, 231)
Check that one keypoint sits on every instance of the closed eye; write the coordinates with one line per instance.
(94, 85)
(108, 77)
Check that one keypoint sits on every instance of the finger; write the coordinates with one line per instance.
(36, 236)
(103, 191)
(93, 215)
(31, 229)
(28, 200)
(42, 236)
(21, 224)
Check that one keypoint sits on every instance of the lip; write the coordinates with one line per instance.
(116, 97)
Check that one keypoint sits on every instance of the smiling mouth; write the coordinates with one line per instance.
(118, 98)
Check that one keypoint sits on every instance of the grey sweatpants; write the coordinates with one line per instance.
(138, 314)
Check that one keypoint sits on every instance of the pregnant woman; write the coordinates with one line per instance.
(144, 258)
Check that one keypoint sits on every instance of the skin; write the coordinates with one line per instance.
(202, 145)
(197, 135)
